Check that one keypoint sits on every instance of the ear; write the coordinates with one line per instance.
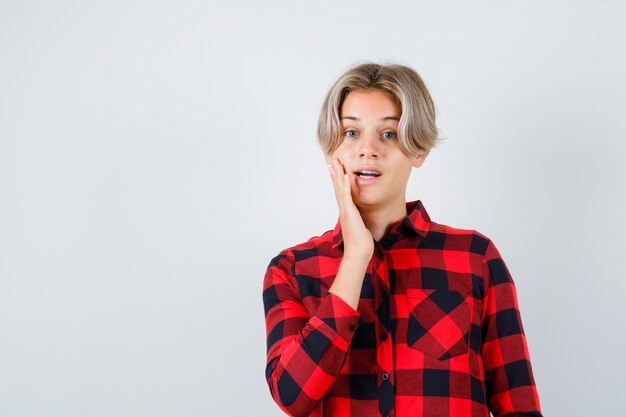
(419, 160)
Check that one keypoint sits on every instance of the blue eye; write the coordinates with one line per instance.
(393, 135)
(348, 131)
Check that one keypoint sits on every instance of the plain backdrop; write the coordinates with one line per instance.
(155, 155)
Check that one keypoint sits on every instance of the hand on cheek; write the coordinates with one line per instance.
(358, 240)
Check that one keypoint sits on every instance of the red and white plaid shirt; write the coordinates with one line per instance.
(437, 332)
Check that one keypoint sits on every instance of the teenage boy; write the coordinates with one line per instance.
(391, 313)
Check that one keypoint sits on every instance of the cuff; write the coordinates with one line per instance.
(339, 316)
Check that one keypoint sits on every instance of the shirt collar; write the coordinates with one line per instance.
(417, 220)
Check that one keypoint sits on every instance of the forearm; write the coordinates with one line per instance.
(306, 349)
(302, 368)
(349, 280)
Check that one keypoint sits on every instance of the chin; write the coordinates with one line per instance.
(368, 202)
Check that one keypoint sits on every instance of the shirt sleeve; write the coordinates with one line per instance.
(305, 352)
(509, 380)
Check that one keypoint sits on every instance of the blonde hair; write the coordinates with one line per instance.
(417, 131)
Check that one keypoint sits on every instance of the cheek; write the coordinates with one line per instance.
(342, 155)
(401, 175)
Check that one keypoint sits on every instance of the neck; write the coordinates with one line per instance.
(378, 220)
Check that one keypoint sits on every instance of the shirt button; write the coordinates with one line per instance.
(385, 377)
(384, 295)
(379, 253)
(383, 336)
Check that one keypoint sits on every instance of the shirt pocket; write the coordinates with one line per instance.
(439, 321)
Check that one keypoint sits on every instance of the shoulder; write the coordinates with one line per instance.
(313, 246)
(457, 238)
(480, 248)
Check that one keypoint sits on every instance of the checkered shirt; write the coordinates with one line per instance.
(437, 332)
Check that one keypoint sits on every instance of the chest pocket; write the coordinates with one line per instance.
(439, 321)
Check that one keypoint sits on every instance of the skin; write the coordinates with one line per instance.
(366, 211)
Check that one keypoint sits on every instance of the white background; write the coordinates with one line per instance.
(155, 155)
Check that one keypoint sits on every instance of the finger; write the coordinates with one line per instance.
(347, 186)
(347, 190)
(344, 181)
(342, 169)
(346, 194)
(337, 183)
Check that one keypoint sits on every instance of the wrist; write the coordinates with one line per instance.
(356, 259)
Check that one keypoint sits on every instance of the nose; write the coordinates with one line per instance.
(369, 146)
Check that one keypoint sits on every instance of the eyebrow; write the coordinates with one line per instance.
(382, 118)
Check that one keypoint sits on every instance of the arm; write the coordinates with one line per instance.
(510, 384)
(305, 353)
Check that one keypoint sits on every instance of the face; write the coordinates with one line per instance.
(369, 127)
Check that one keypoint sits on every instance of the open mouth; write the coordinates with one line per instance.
(366, 173)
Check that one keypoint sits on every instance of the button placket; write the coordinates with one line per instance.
(384, 347)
